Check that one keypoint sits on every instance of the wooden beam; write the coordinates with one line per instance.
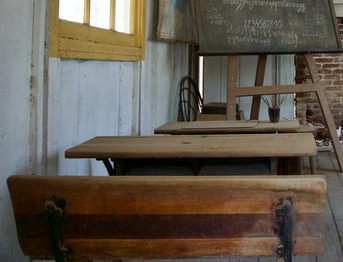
(259, 78)
(231, 86)
(279, 89)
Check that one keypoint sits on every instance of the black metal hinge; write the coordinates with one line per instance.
(54, 208)
(284, 229)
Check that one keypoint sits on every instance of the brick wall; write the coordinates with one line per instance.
(330, 70)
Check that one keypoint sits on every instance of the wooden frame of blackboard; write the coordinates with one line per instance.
(266, 26)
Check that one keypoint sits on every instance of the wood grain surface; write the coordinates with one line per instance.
(168, 217)
(196, 146)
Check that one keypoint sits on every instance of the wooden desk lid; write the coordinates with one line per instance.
(227, 127)
(168, 217)
(219, 124)
(196, 146)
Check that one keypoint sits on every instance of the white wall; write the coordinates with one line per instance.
(93, 98)
(15, 59)
(49, 105)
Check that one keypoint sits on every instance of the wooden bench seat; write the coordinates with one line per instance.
(82, 217)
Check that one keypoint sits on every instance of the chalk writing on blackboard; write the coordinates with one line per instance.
(266, 26)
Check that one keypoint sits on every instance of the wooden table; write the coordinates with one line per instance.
(227, 127)
(273, 145)
(290, 165)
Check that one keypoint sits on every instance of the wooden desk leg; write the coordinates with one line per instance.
(231, 86)
(312, 165)
(273, 165)
(259, 78)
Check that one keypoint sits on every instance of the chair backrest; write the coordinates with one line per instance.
(190, 100)
(151, 217)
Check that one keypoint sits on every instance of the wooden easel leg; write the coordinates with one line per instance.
(326, 111)
(259, 78)
(312, 165)
(231, 85)
(331, 127)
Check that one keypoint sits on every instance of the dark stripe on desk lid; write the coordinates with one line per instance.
(166, 226)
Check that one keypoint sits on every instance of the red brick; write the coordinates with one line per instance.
(325, 83)
(330, 72)
(326, 71)
(322, 60)
(338, 82)
(337, 71)
(331, 77)
(331, 66)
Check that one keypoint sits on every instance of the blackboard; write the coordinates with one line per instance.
(266, 26)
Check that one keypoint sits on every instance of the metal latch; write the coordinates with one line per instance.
(54, 208)
(284, 229)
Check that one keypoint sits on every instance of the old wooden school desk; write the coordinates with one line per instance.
(240, 127)
(190, 147)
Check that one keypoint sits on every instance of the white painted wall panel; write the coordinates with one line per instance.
(215, 78)
(15, 57)
(159, 91)
(94, 98)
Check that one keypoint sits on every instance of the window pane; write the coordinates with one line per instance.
(122, 16)
(100, 13)
(71, 10)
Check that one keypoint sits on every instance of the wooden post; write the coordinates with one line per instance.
(259, 78)
(231, 86)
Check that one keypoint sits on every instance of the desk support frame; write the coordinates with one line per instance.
(109, 167)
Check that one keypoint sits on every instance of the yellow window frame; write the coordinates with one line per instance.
(82, 41)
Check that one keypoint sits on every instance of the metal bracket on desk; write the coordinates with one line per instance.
(54, 208)
(284, 230)
(109, 167)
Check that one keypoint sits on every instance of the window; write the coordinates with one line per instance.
(97, 29)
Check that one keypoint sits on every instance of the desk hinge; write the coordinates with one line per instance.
(54, 208)
(284, 229)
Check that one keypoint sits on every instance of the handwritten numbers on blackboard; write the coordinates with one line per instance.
(266, 26)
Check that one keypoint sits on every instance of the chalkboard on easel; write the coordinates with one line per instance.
(266, 26)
